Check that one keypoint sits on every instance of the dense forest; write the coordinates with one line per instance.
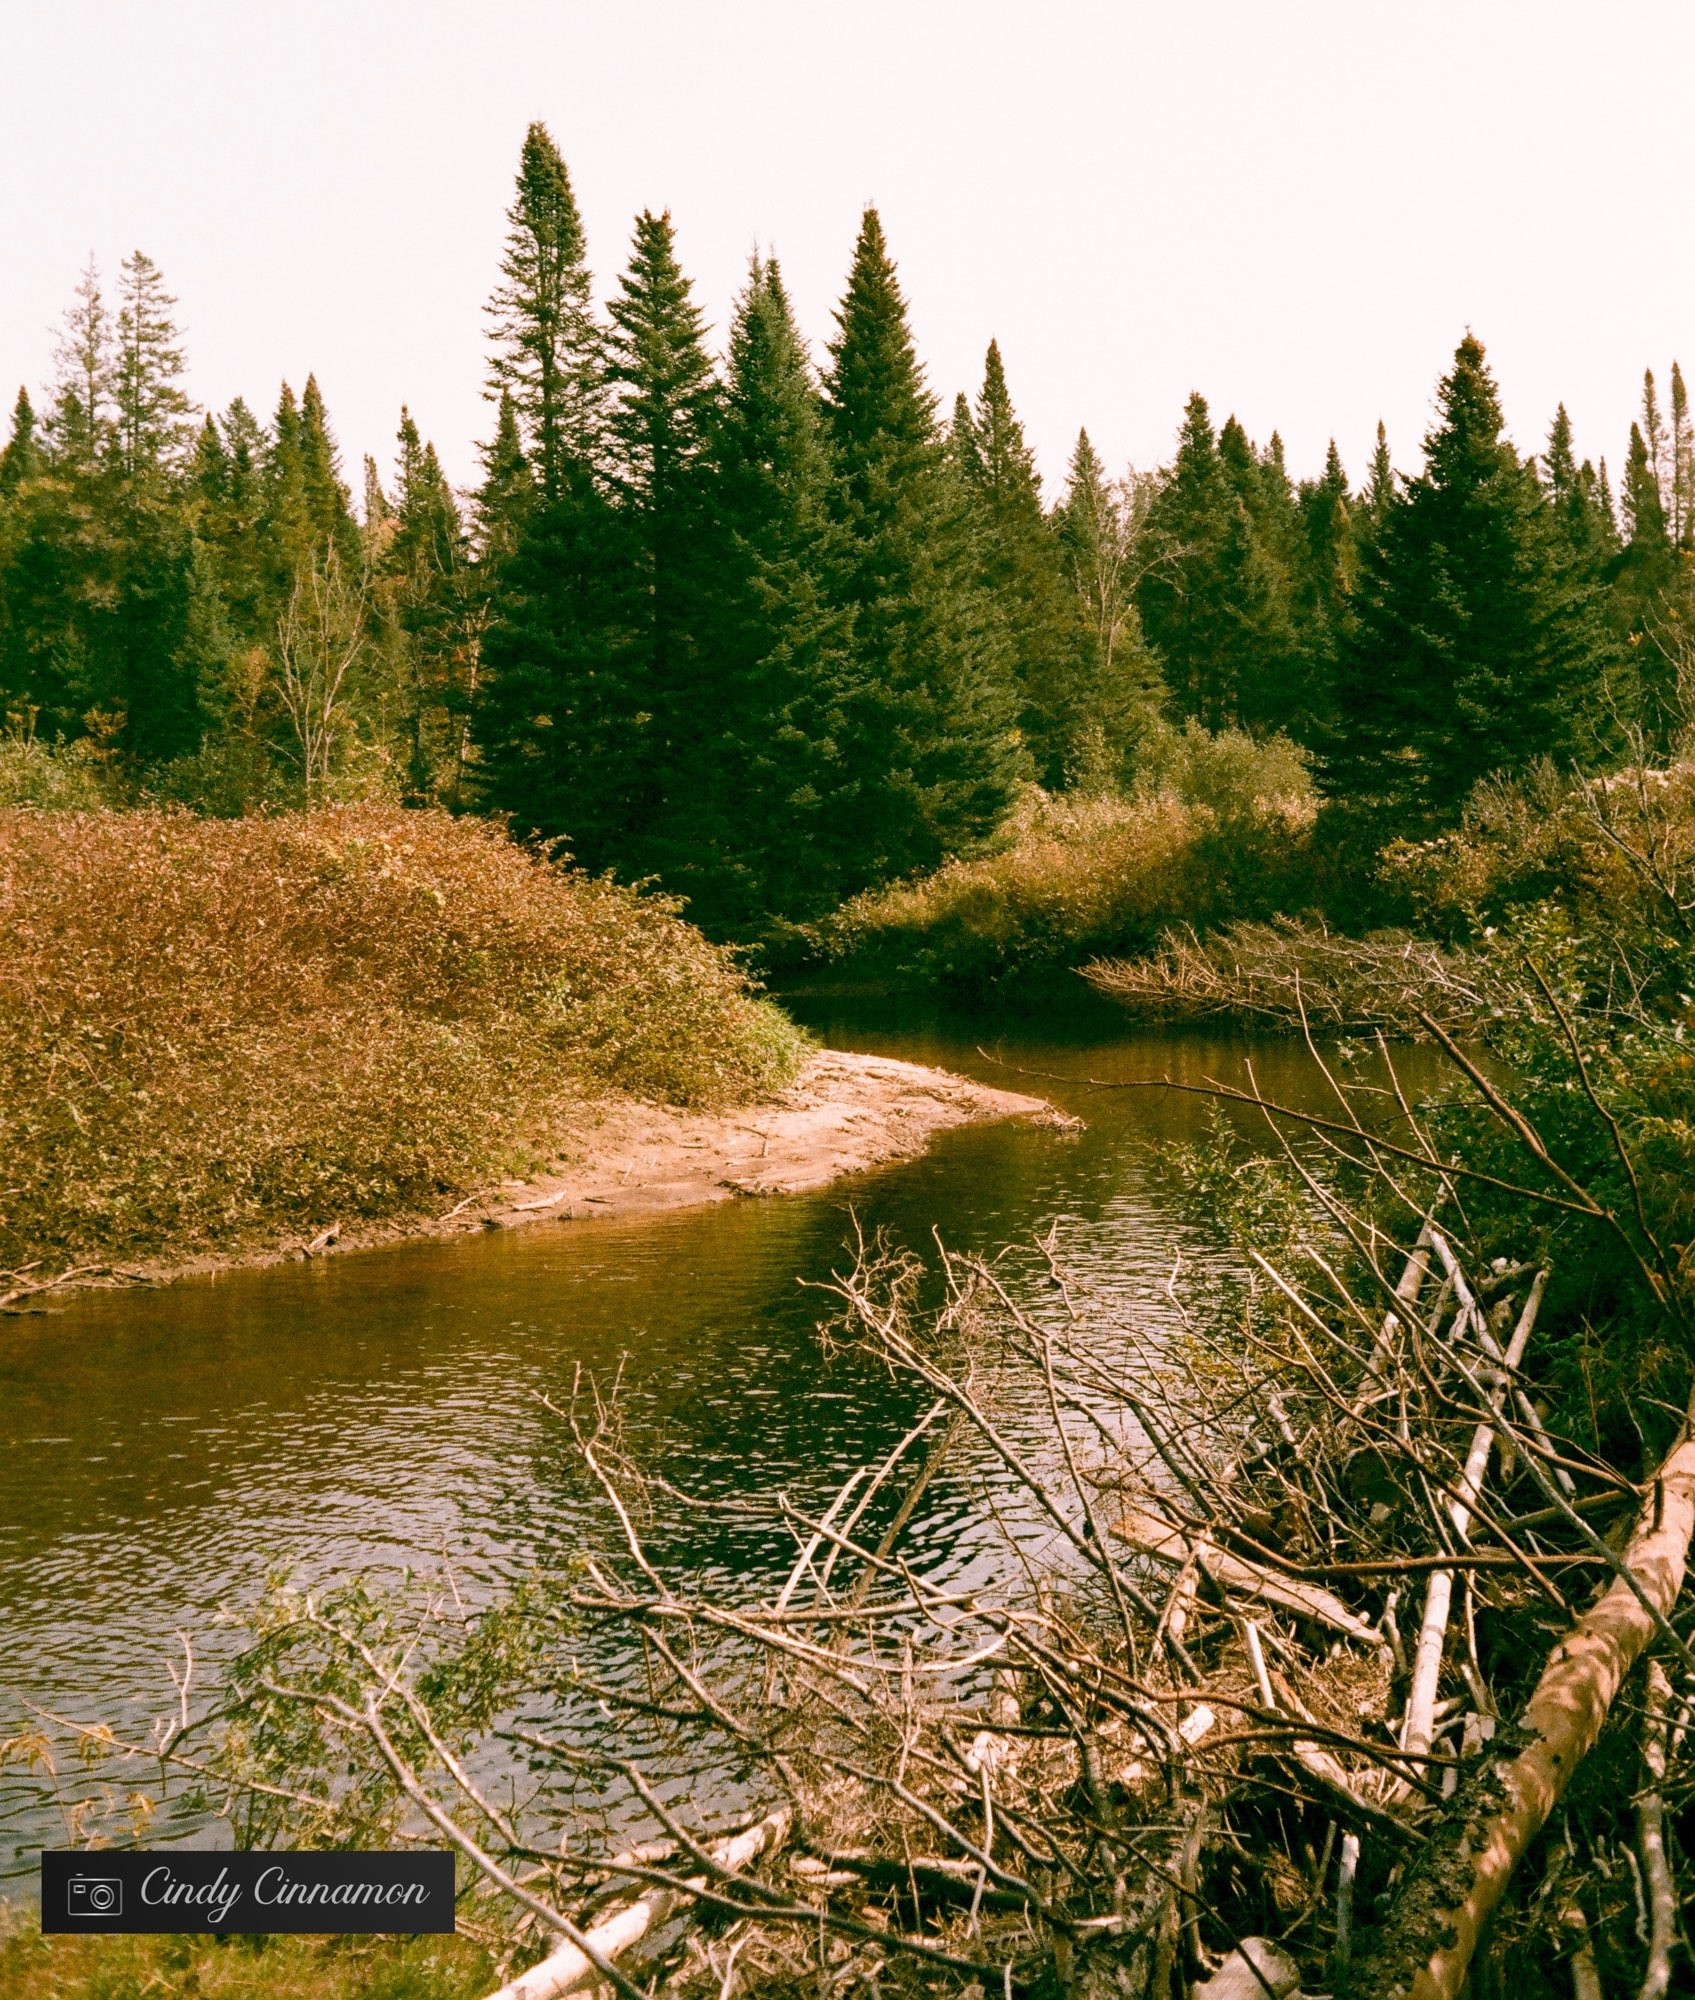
(777, 635)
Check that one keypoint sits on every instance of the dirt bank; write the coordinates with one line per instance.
(842, 1114)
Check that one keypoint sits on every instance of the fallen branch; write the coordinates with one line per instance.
(571, 1968)
(1426, 1948)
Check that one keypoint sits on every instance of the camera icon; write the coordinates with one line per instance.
(94, 1896)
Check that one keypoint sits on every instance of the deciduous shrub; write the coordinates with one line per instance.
(218, 1030)
(1218, 827)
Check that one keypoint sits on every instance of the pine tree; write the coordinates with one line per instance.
(1021, 568)
(21, 455)
(781, 642)
(546, 356)
(1478, 643)
(928, 757)
(661, 425)
(1102, 532)
(1186, 612)
(152, 411)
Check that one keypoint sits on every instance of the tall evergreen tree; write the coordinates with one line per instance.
(329, 511)
(780, 643)
(21, 455)
(546, 347)
(1102, 532)
(1184, 600)
(661, 427)
(1325, 576)
(1382, 486)
(1478, 643)
(152, 410)
(928, 754)
(1021, 568)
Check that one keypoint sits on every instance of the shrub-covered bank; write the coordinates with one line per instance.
(215, 1034)
(1218, 827)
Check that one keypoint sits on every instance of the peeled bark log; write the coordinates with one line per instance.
(1241, 1578)
(569, 1970)
(1425, 1950)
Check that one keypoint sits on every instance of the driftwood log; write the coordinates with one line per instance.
(1425, 1950)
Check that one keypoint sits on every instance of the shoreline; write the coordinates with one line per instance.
(843, 1114)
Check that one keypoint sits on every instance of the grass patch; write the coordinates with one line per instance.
(239, 1968)
(220, 1032)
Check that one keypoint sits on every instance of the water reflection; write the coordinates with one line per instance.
(161, 1452)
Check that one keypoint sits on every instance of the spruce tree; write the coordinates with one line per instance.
(546, 346)
(1478, 643)
(1185, 610)
(1382, 487)
(1021, 569)
(665, 401)
(329, 510)
(152, 410)
(1102, 532)
(1682, 470)
(1324, 588)
(1653, 594)
(425, 591)
(21, 454)
(507, 492)
(929, 758)
(780, 644)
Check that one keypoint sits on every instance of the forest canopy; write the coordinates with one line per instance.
(777, 633)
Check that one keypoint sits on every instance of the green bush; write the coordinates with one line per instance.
(1217, 827)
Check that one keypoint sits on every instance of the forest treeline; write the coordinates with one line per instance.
(776, 634)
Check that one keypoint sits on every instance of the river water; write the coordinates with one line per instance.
(162, 1453)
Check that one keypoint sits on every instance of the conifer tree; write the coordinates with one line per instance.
(152, 410)
(425, 595)
(329, 511)
(1478, 643)
(1104, 546)
(928, 756)
(80, 423)
(19, 458)
(1382, 486)
(1324, 588)
(507, 492)
(781, 644)
(1259, 543)
(546, 347)
(665, 398)
(1021, 569)
(1185, 612)
(1681, 443)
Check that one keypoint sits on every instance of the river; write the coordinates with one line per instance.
(163, 1452)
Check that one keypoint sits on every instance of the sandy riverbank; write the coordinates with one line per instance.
(843, 1114)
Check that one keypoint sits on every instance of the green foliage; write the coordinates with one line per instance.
(1477, 642)
(928, 757)
(1220, 826)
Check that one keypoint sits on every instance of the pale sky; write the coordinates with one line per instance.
(1295, 208)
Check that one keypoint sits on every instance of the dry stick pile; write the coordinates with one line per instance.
(1293, 1652)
